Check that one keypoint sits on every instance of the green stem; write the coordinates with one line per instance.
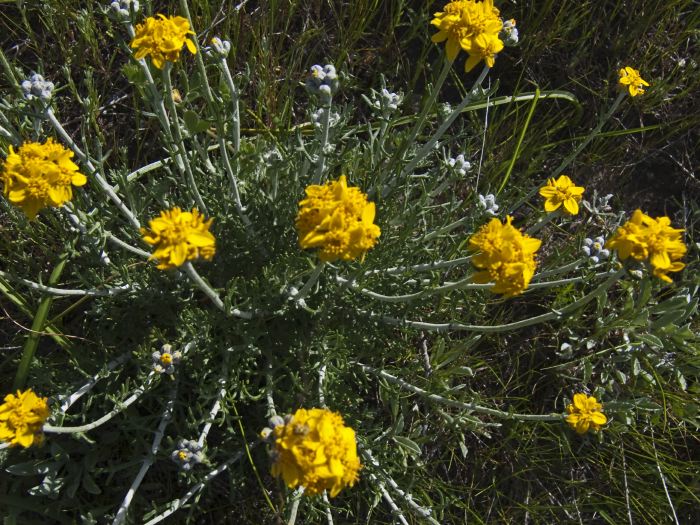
(32, 342)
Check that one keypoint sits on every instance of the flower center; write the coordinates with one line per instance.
(166, 358)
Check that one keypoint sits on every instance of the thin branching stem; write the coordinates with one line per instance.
(65, 291)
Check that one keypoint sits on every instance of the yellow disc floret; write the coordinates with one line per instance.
(38, 176)
(179, 236)
(472, 26)
(338, 219)
(506, 257)
(317, 451)
(22, 417)
(162, 38)
(585, 413)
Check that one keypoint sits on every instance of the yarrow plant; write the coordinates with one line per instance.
(472, 26)
(39, 176)
(314, 449)
(585, 413)
(22, 417)
(505, 256)
(338, 219)
(645, 238)
(562, 193)
(180, 236)
(162, 39)
(351, 261)
(631, 80)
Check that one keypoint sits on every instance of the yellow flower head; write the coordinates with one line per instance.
(338, 219)
(561, 191)
(584, 413)
(646, 238)
(507, 257)
(317, 451)
(179, 236)
(472, 26)
(39, 175)
(22, 417)
(162, 38)
(630, 79)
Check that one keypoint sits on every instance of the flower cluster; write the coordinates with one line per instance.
(338, 219)
(39, 175)
(22, 417)
(314, 449)
(472, 26)
(459, 164)
(385, 101)
(187, 454)
(162, 38)
(123, 8)
(509, 33)
(36, 87)
(219, 48)
(322, 80)
(593, 248)
(646, 238)
(488, 203)
(165, 360)
(179, 236)
(630, 79)
(585, 413)
(561, 192)
(507, 257)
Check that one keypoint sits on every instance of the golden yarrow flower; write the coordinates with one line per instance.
(38, 176)
(22, 418)
(179, 236)
(561, 192)
(162, 38)
(646, 238)
(506, 257)
(472, 26)
(315, 450)
(338, 219)
(585, 413)
(631, 80)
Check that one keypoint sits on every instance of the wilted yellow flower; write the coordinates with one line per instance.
(338, 219)
(643, 237)
(507, 257)
(39, 175)
(584, 413)
(179, 236)
(472, 26)
(630, 79)
(317, 451)
(22, 417)
(162, 38)
(561, 191)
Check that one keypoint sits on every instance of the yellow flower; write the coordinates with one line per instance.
(39, 175)
(646, 238)
(338, 219)
(561, 191)
(472, 26)
(507, 257)
(22, 417)
(631, 79)
(162, 38)
(317, 451)
(584, 413)
(179, 236)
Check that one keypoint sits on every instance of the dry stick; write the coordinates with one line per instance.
(452, 326)
(473, 407)
(148, 461)
(122, 406)
(102, 183)
(178, 503)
